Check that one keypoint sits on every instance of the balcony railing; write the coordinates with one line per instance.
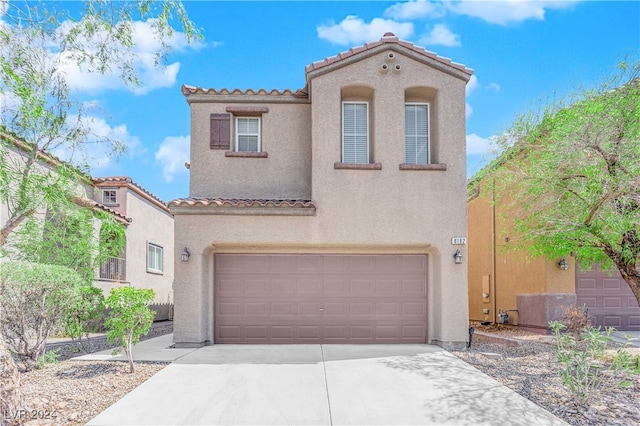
(114, 269)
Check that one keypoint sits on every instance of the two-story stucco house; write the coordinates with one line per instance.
(326, 215)
(147, 260)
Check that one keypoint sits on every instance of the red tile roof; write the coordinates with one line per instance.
(388, 38)
(237, 202)
(87, 202)
(191, 90)
(127, 181)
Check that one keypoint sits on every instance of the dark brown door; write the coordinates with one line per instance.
(282, 298)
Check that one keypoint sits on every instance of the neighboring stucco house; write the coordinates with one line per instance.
(147, 260)
(533, 291)
(326, 214)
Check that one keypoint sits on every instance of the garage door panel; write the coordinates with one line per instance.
(387, 308)
(282, 286)
(388, 286)
(414, 264)
(362, 287)
(361, 264)
(413, 287)
(413, 309)
(309, 285)
(608, 299)
(309, 332)
(320, 299)
(413, 332)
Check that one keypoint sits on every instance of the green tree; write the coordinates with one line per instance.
(129, 318)
(34, 300)
(39, 114)
(573, 175)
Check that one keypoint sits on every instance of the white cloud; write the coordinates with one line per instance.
(494, 86)
(146, 44)
(477, 145)
(96, 149)
(472, 84)
(468, 110)
(354, 30)
(508, 11)
(172, 154)
(415, 10)
(440, 35)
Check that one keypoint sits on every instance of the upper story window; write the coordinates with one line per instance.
(109, 196)
(248, 134)
(355, 132)
(416, 133)
(154, 258)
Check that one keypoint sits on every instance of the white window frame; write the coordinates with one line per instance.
(153, 251)
(368, 130)
(428, 105)
(115, 195)
(238, 134)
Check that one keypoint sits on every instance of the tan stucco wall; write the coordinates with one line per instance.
(149, 224)
(480, 237)
(285, 137)
(516, 272)
(358, 211)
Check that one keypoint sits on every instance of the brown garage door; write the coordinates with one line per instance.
(608, 298)
(320, 298)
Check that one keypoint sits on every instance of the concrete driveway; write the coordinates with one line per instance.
(322, 385)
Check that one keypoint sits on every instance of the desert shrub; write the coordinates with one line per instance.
(576, 319)
(85, 316)
(34, 299)
(129, 318)
(585, 368)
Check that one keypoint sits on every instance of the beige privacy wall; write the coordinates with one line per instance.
(384, 207)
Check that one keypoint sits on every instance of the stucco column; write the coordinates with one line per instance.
(451, 299)
(191, 326)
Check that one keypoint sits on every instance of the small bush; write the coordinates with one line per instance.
(85, 317)
(584, 366)
(130, 317)
(576, 319)
(35, 299)
(48, 358)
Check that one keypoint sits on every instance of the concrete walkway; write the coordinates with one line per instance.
(318, 385)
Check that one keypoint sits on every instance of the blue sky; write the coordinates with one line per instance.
(522, 52)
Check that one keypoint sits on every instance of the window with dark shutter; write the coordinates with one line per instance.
(220, 131)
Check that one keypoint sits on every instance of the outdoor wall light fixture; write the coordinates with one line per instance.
(184, 256)
(458, 257)
(563, 264)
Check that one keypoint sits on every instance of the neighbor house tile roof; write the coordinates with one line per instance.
(86, 202)
(388, 38)
(127, 181)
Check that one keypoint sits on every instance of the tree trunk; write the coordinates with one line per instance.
(10, 396)
(129, 350)
(632, 277)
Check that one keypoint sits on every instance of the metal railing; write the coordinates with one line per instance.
(114, 269)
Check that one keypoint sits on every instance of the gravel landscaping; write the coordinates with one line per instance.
(73, 392)
(525, 363)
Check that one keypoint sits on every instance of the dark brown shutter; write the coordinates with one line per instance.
(220, 131)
